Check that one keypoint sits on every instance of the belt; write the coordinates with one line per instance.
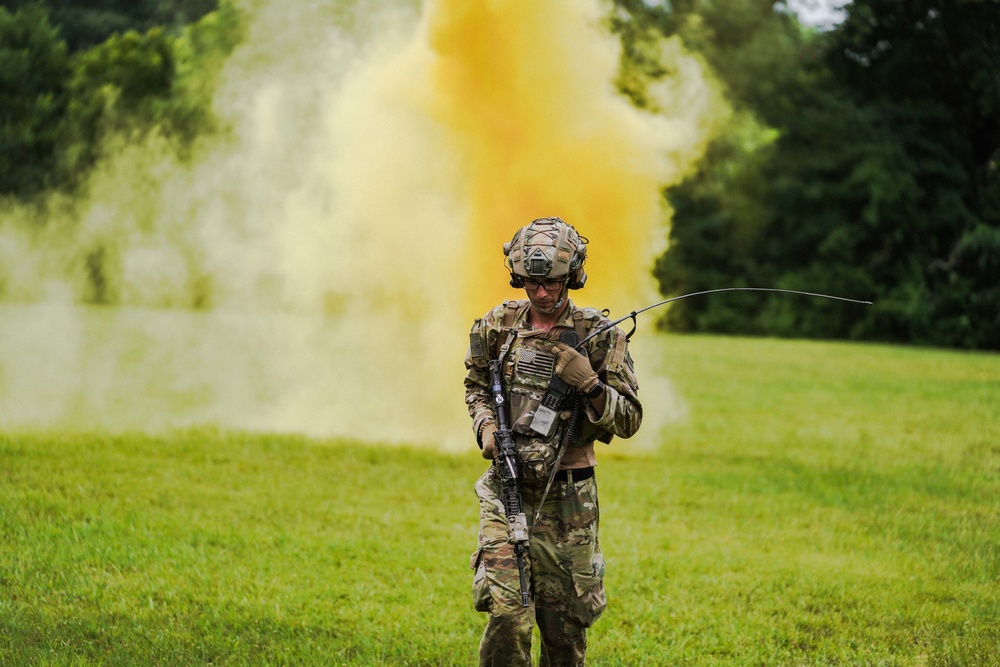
(574, 474)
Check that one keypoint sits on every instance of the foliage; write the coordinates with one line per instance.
(947, 122)
(201, 48)
(884, 159)
(822, 504)
(116, 86)
(755, 50)
(34, 68)
(135, 83)
(84, 25)
(60, 109)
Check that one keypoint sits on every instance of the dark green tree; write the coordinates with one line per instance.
(87, 23)
(34, 69)
(933, 71)
(115, 87)
(880, 182)
(58, 107)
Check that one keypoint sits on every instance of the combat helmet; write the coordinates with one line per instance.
(547, 248)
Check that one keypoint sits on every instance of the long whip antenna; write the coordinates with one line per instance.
(601, 329)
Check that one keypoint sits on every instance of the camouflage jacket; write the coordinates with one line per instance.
(528, 366)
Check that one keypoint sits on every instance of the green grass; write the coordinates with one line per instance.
(821, 504)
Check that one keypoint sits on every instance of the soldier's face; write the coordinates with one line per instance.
(545, 301)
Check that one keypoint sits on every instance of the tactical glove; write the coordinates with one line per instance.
(488, 438)
(575, 368)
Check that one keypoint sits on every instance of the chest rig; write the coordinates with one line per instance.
(528, 362)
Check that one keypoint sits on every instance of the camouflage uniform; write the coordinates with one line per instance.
(564, 562)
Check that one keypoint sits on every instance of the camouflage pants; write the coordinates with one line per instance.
(565, 573)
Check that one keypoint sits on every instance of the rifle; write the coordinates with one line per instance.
(507, 464)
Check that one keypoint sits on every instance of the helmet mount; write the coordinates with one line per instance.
(537, 264)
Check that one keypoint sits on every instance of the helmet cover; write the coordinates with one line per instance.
(547, 249)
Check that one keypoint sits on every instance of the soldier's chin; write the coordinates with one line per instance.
(551, 310)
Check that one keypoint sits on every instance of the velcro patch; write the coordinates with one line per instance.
(535, 362)
(477, 346)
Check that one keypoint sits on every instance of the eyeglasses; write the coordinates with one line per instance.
(549, 285)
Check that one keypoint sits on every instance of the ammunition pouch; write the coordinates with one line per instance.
(537, 456)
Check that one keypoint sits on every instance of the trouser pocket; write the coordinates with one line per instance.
(590, 600)
(481, 598)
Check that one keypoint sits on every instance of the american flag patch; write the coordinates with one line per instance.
(533, 362)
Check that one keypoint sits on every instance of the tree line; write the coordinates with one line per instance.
(860, 161)
(72, 74)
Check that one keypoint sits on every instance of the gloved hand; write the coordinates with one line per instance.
(574, 368)
(489, 441)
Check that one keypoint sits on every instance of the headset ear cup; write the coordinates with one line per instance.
(578, 280)
(516, 280)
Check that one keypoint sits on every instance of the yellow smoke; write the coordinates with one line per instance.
(526, 92)
(344, 232)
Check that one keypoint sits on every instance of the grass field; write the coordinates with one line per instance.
(820, 504)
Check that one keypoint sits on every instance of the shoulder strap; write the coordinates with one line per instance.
(510, 313)
(579, 324)
(511, 310)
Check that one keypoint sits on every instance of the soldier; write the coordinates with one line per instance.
(564, 563)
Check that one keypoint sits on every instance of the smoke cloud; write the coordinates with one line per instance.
(315, 268)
